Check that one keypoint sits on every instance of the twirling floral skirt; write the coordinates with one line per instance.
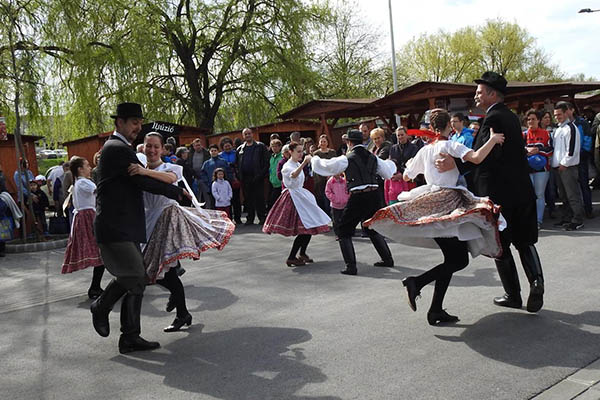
(82, 249)
(432, 212)
(284, 219)
(183, 232)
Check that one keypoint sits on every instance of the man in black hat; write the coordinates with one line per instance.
(120, 227)
(361, 168)
(504, 177)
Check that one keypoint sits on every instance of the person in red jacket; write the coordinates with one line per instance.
(539, 151)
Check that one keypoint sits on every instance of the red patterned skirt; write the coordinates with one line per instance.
(184, 233)
(284, 219)
(447, 212)
(82, 249)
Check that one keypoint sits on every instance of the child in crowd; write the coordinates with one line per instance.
(40, 204)
(221, 191)
(336, 191)
(393, 187)
(82, 249)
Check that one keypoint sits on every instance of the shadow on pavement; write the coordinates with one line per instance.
(479, 277)
(210, 298)
(549, 338)
(240, 363)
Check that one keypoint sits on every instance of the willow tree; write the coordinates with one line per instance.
(180, 58)
(22, 69)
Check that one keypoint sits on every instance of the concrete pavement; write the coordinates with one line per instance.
(265, 331)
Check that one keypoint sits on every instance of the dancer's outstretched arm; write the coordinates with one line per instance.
(166, 177)
(476, 157)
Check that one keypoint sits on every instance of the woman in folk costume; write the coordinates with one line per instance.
(175, 232)
(296, 213)
(82, 249)
(440, 211)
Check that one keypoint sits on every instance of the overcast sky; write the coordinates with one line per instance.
(571, 39)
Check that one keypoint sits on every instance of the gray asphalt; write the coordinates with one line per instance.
(262, 330)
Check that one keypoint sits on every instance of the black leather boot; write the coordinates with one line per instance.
(347, 249)
(510, 281)
(382, 249)
(130, 339)
(533, 269)
(102, 306)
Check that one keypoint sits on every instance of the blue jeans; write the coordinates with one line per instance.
(539, 180)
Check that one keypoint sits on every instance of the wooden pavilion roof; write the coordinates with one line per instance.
(422, 95)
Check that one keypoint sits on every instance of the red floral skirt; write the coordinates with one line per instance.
(82, 249)
(284, 219)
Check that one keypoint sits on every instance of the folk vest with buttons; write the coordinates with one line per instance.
(362, 168)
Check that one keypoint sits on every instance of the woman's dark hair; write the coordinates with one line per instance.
(156, 135)
(226, 139)
(324, 137)
(75, 163)
(216, 171)
(534, 112)
(293, 145)
(439, 119)
(180, 151)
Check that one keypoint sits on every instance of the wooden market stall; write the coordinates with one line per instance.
(262, 133)
(184, 135)
(8, 158)
(412, 102)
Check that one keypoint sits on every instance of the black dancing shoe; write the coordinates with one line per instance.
(136, 343)
(305, 258)
(441, 317)
(93, 294)
(387, 264)
(178, 323)
(536, 296)
(411, 292)
(349, 271)
(508, 301)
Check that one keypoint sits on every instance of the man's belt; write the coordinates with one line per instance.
(369, 189)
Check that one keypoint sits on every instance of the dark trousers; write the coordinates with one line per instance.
(551, 194)
(456, 257)
(570, 194)
(125, 262)
(236, 205)
(337, 216)
(360, 207)
(274, 193)
(584, 180)
(254, 199)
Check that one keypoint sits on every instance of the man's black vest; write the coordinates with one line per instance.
(362, 168)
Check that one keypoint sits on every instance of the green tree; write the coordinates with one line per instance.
(464, 55)
(181, 58)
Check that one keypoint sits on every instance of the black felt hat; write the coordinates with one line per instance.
(354, 135)
(493, 80)
(128, 110)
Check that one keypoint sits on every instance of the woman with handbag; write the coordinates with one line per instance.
(539, 151)
(82, 250)
(175, 232)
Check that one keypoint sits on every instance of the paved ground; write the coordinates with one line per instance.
(265, 331)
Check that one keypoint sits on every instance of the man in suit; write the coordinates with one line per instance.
(504, 177)
(120, 228)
